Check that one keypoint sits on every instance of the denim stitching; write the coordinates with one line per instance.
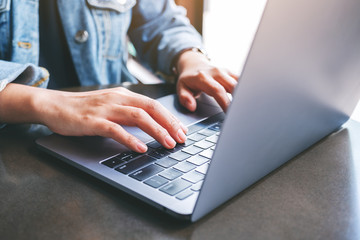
(107, 26)
(100, 41)
(42, 80)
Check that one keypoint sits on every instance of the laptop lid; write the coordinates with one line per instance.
(299, 84)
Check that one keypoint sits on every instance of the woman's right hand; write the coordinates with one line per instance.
(95, 113)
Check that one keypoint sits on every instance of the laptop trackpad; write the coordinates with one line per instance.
(206, 107)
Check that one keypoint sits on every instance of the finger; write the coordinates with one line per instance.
(213, 88)
(233, 75)
(133, 116)
(112, 130)
(186, 97)
(161, 115)
(225, 80)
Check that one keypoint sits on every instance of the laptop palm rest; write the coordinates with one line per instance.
(99, 148)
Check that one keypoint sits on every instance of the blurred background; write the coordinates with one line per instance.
(228, 28)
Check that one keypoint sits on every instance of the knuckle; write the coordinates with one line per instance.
(129, 138)
(137, 113)
(110, 130)
(152, 104)
(218, 89)
(161, 132)
(174, 124)
(203, 78)
(158, 132)
(110, 96)
(201, 75)
(86, 118)
(218, 71)
(120, 90)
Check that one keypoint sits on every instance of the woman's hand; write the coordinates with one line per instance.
(197, 74)
(95, 113)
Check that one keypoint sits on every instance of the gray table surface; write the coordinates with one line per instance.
(314, 196)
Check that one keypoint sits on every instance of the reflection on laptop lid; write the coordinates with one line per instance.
(299, 84)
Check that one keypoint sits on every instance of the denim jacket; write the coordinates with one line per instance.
(158, 29)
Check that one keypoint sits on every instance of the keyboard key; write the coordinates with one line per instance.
(175, 187)
(154, 144)
(213, 138)
(179, 156)
(196, 137)
(216, 127)
(171, 174)
(203, 168)
(194, 128)
(185, 167)
(194, 177)
(166, 162)
(204, 144)
(197, 186)
(198, 160)
(113, 162)
(192, 150)
(135, 164)
(159, 153)
(185, 194)
(188, 142)
(156, 181)
(146, 172)
(207, 153)
(178, 147)
(213, 147)
(127, 156)
(207, 132)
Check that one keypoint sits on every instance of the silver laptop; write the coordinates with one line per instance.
(300, 83)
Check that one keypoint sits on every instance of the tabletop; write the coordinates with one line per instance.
(316, 195)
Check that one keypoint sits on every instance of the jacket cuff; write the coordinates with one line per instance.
(27, 74)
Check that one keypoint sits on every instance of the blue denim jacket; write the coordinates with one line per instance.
(157, 28)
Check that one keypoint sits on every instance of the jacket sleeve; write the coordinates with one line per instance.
(159, 31)
(27, 74)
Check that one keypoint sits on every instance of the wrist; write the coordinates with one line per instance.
(16, 102)
(46, 104)
(22, 104)
(189, 55)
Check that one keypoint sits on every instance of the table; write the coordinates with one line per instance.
(314, 196)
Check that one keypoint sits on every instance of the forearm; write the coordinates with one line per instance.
(159, 31)
(20, 104)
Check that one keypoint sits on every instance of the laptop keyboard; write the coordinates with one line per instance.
(178, 172)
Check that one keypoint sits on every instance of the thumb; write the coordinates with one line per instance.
(186, 98)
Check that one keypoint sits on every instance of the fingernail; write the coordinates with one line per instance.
(181, 135)
(141, 147)
(170, 142)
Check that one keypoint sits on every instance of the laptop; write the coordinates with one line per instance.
(300, 83)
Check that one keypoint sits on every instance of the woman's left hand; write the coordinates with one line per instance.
(197, 74)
